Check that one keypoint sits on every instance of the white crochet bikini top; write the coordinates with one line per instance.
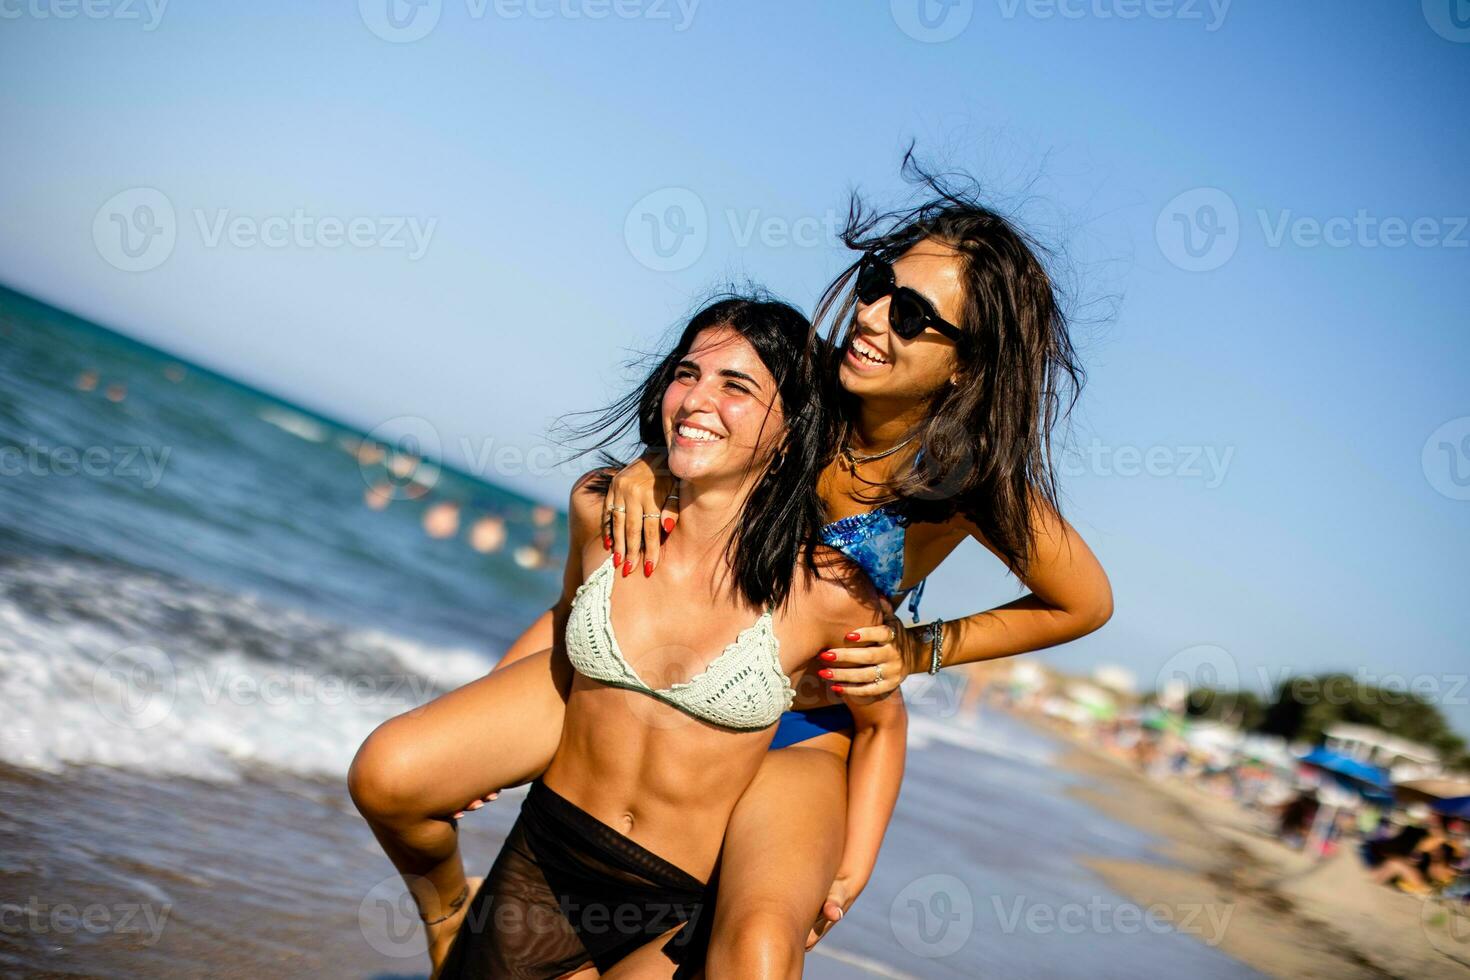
(743, 688)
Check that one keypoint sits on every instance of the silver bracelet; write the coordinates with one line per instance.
(936, 646)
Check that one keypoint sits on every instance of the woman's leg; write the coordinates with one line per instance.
(781, 853)
(416, 770)
(647, 962)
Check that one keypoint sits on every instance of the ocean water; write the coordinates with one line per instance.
(201, 617)
(199, 543)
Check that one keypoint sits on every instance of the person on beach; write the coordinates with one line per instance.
(608, 864)
(955, 361)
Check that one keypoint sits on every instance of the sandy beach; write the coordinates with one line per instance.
(1283, 913)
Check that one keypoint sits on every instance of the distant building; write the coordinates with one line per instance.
(1402, 758)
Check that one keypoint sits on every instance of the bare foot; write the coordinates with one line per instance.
(441, 934)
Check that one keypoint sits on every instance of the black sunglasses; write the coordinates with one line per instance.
(909, 313)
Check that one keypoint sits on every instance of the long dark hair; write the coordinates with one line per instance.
(986, 441)
(776, 529)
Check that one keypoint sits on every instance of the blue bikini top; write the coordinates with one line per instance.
(875, 541)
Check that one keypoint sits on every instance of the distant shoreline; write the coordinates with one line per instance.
(1222, 881)
(359, 428)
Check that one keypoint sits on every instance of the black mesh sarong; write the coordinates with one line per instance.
(567, 891)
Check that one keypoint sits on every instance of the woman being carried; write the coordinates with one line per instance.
(609, 866)
(955, 364)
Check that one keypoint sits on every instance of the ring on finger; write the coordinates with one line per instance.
(877, 673)
(620, 510)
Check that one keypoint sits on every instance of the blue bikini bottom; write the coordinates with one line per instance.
(800, 725)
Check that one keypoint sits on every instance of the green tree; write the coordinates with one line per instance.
(1305, 706)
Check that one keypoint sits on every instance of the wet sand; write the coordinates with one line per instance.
(112, 873)
(1285, 915)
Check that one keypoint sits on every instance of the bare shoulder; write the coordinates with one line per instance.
(584, 507)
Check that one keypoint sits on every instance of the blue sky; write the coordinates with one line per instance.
(1281, 369)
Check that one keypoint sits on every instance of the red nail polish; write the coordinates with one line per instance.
(824, 672)
(836, 688)
(853, 637)
(668, 525)
(647, 569)
(617, 558)
(627, 568)
(827, 655)
(606, 542)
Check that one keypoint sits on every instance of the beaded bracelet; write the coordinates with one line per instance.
(936, 646)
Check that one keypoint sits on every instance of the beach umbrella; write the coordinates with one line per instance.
(1369, 780)
(1458, 807)
(1436, 788)
(1363, 778)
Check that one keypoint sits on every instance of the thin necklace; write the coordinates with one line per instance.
(854, 459)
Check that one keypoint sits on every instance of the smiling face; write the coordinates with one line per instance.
(722, 415)
(877, 362)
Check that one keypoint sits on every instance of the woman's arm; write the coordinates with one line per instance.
(1070, 596)
(880, 738)
(874, 775)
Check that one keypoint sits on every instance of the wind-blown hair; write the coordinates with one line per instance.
(986, 440)
(776, 529)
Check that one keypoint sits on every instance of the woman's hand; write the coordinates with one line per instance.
(877, 662)
(840, 896)
(476, 804)
(642, 499)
